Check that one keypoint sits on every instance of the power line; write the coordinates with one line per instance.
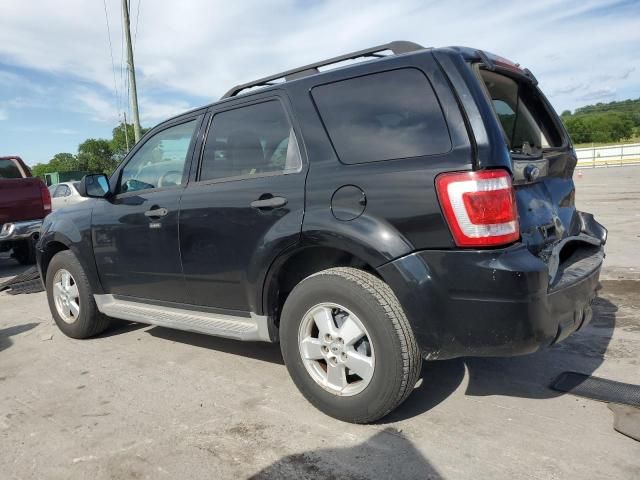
(128, 84)
(135, 33)
(113, 64)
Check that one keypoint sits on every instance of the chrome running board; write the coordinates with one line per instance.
(253, 328)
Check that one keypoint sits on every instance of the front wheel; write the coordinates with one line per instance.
(70, 298)
(348, 345)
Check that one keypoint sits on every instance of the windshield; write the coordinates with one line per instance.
(526, 122)
(9, 169)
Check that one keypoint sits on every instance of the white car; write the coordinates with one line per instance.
(64, 194)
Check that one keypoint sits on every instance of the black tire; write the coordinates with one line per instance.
(398, 360)
(24, 251)
(90, 321)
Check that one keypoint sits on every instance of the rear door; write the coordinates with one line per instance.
(246, 205)
(135, 233)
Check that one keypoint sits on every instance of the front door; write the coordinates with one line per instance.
(135, 233)
(245, 207)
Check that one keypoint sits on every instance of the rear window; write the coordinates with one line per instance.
(9, 169)
(383, 116)
(526, 122)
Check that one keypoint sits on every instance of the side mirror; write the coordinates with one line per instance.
(94, 186)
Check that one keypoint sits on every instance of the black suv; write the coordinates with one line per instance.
(415, 204)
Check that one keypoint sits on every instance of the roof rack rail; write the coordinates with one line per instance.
(396, 47)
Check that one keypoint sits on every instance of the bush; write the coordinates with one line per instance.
(599, 127)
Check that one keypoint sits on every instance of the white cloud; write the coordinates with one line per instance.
(152, 112)
(598, 94)
(4, 115)
(101, 109)
(206, 47)
(64, 131)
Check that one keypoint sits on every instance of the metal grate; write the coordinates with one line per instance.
(26, 282)
(598, 388)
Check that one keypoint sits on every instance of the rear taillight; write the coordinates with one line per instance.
(46, 199)
(480, 207)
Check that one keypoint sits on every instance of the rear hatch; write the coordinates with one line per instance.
(543, 163)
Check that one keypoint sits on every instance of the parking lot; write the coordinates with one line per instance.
(148, 402)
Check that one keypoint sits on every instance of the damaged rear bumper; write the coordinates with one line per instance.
(495, 302)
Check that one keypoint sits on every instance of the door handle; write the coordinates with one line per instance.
(156, 212)
(272, 202)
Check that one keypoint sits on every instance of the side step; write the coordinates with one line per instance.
(253, 328)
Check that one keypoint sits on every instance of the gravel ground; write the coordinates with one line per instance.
(148, 402)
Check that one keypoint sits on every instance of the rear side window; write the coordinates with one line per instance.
(62, 191)
(526, 123)
(9, 169)
(250, 141)
(383, 116)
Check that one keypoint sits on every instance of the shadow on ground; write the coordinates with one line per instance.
(527, 376)
(119, 327)
(267, 352)
(388, 454)
(7, 333)
(9, 267)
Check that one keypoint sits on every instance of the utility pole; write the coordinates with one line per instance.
(126, 132)
(132, 71)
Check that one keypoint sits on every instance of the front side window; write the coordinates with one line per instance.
(383, 116)
(9, 169)
(250, 141)
(160, 162)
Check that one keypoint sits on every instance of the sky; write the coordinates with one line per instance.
(63, 76)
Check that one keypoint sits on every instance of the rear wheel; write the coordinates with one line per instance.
(348, 345)
(70, 298)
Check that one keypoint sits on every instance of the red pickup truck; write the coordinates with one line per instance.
(24, 202)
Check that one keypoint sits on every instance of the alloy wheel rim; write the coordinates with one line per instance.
(336, 349)
(66, 296)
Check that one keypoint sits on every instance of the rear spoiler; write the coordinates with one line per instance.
(493, 62)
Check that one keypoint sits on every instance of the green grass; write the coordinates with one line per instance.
(635, 139)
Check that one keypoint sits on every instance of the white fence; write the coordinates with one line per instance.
(609, 156)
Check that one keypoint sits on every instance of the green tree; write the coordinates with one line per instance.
(578, 129)
(96, 156)
(119, 140)
(39, 169)
(621, 126)
(64, 162)
(61, 162)
(599, 127)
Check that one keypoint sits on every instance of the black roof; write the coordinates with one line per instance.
(397, 47)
